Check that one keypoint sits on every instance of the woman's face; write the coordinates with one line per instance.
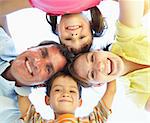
(74, 32)
(98, 67)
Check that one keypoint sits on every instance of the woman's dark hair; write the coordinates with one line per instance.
(98, 24)
(50, 81)
(70, 67)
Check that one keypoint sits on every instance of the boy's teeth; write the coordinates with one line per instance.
(28, 67)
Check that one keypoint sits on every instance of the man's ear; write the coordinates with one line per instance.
(47, 100)
(80, 102)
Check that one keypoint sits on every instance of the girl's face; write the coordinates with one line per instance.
(74, 32)
(98, 67)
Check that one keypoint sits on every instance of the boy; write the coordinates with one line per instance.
(63, 94)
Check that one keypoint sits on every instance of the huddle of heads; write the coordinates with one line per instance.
(76, 34)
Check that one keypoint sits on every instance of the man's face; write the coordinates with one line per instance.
(37, 65)
(74, 32)
(64, 95)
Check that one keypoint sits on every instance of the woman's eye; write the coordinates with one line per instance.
(92, 74)
(92, 58)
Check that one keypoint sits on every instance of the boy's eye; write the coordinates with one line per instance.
(57, 90)
(72, 91)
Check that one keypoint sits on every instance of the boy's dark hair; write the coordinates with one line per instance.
(50, 81)
(98, 24)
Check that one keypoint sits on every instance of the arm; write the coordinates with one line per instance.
(146, 6)
(24, 104)
(147, 106)
(8, 6)
(109, 94)
(3, 24)
(131, 12)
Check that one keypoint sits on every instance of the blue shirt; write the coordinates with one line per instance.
(9, 111)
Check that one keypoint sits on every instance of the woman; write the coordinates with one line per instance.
(128, 57)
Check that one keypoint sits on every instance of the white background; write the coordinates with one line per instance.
(29, 27)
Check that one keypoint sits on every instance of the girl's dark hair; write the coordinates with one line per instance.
(50, 81)
(98, 24)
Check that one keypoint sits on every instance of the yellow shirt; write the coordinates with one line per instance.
(134, 45)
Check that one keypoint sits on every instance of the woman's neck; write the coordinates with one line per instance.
(131, 66)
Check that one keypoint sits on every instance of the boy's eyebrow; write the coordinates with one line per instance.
(62, 86)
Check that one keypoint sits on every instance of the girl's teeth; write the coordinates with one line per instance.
(73, 27)
(109, 66)
(28, 67)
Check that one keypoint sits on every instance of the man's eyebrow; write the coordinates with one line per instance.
(46, 52)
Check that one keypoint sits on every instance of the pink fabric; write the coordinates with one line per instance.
(61, 7)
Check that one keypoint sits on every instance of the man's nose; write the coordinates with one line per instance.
(38, 62)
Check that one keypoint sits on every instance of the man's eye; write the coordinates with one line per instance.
(49, 69)
(44, 52)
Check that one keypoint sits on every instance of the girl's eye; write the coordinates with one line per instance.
(68, 39)
(82, 37)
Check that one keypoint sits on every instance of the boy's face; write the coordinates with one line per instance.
(64, 95)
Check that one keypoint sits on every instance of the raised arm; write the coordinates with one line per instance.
(131, 12)
(8, 6)
(109, 94)
(3, 24)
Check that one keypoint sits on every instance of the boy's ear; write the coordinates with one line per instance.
(47, 100)
(80, 102)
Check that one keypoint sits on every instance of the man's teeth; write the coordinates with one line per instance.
(28, 67)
